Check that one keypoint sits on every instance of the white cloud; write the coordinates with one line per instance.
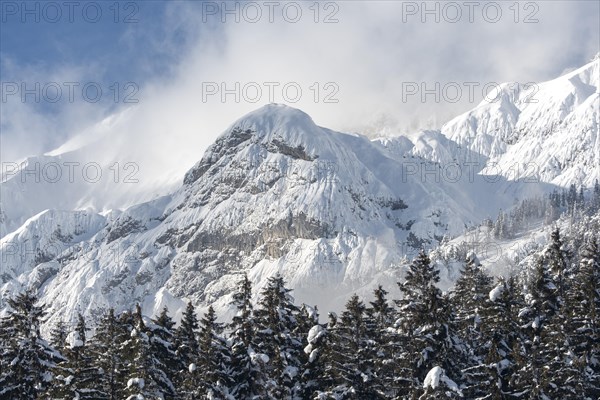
(369, 55)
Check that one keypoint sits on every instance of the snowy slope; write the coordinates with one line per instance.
(29, 254)
(105, 167)
(514, 256)
(546, 131)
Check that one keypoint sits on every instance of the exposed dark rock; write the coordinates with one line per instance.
(298, 152)
(124, 227)
(224, 145)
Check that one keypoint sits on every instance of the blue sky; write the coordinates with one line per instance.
(130, 41)
(172, 47)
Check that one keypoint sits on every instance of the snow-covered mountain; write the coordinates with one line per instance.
(334, 213)
(330, 211)
(546, 132)
(108, 166)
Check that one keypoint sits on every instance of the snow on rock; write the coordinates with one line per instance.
(308, 349)
(274, 193)
(291, 371)
(473, 257)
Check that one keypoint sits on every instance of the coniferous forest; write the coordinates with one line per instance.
(531, 336)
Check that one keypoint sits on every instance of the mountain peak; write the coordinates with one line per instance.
(273, 126)
(275, 117)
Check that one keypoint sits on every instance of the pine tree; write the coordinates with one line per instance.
(107, 355)
(557, 263)
(27, 359)
(542, 305)
(186, 335)
(571, 198)
(162, 340)
(145, 377)
(278, 339)
(470, 294)
(58, 336)
(209, 378)
(186, 344)
(246, 365)
(311, 332)
(313, 370)
(356, 352)
(379, 320)
(76, 377)
(470, 300)
(424, 317)
(552, 208)
(323, 359)
(492, 360)
(584, 302)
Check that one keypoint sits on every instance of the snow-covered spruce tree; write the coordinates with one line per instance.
(562, 371)
(76, 377)
(278, 339)
(209, 377)
(499, 329)
(380, 317)
(355, 352)
(557, 262)
(317, 351)
(542, 303)
(186, 342)
(58, 336)
(502, 227)
(145, 378)
(27, 359)
(323, 359)
(469, 297)
(245, 364)
(583, 301)
(553, 207)
(162, 340)
(186, 336)
(424, 318)
(106, 350)
(312, 334)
